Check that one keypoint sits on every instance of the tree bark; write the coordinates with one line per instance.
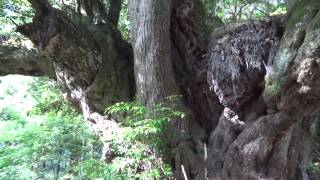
(14, 60)
(114, 11)
(155, 78)
(152, 47)
(264, 78)
(93, 65)
(266, 136)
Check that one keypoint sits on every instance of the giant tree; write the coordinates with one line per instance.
(249, 89)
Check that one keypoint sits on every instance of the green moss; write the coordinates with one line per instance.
(81, 22)
(111, 81)
(279, 69)
(315, 23)
(286, 54)
(297, 13)
(273, 89)
(200, 18)
(273, 85)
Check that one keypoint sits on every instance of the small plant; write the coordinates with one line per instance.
(9, 114)
(314, 165)
(138, 145)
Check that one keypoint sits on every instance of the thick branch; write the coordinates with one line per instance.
(25, 62)
(42, 7)
(92, 64)
(114, 11)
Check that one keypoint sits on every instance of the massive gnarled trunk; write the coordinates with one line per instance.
(250, 89)
(266, 136)
(155, 54)
(93, 64)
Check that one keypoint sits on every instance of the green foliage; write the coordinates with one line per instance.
(10, 91)
(12, 14)
(9, 114)
(15, 11)
(50, 143)
(238, 10)
(124, 22)
(48, 98)
(52, 140)
(314, 165)
(93, 168)
(44, 148)
(138, 144)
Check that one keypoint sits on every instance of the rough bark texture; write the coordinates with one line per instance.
(151, 45)
(14, 60)
(93, 65)
(190, 39)
(268, 139)
(239, 59)
(256, 121)
(155, 77)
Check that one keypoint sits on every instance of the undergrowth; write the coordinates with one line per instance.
(51, 141)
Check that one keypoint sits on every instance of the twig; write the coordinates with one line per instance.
(205, 161)
(16, 24)
(184, 173)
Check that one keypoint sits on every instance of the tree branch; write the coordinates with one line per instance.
(25, 62)
(114, 11)
(42, 7)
